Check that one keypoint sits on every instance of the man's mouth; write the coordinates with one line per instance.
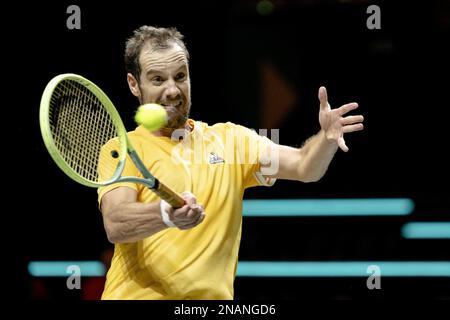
(171, 104)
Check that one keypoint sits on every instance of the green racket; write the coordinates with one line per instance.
(83, 132)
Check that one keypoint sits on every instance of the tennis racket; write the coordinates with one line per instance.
(85, 136)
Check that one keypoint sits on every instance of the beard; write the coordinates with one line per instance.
(177, 108)
(177, 115)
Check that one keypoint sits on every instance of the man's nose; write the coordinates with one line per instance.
(172, 91)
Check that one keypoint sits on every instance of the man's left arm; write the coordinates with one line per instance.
(311, 161)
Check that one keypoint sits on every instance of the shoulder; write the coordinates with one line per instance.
(223, 126)
(224, 129)
(139, 137)
(134, 135)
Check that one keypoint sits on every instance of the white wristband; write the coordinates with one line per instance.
(165, 216)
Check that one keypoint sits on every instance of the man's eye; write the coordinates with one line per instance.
(181, 76)
(157, 80)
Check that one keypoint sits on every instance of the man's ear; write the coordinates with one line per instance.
(133, 84)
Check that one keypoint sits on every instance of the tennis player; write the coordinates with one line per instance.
(192, 252)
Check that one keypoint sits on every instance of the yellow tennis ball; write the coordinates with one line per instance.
(152, 116)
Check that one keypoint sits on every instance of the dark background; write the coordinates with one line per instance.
(398, 75)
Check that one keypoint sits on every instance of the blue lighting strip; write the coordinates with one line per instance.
(273, 269)
(426, 230)
(61, 268)
(343, 269)
(328, 207)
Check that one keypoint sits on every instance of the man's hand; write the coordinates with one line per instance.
(189, 215)
(334, 124)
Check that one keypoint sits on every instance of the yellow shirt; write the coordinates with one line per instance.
(216, 163)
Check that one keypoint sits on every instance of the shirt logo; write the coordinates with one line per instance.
(214, 158)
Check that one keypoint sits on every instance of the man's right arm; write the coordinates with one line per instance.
(127, 220)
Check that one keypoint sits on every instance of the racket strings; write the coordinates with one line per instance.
(81, 126)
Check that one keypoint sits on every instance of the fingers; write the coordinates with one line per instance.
(323, 97)
(351, 120)
(334, 121)
(352, 123)
(194, 223)
(342, 145)
(188, 216)
(189, 197)
(349, 124)
(347, 108)
(194, 211)
(353, 128)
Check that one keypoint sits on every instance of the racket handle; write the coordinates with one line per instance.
(174, 199)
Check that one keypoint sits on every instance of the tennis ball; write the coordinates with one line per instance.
(152, 116)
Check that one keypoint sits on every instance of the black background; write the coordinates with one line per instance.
(398, 75)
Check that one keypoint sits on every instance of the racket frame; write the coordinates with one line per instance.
(125, 146)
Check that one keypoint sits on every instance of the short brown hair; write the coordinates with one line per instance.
(159, 38)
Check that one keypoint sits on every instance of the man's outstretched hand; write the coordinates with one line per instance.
(333, 122)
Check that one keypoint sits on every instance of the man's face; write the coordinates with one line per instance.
(164, 79)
